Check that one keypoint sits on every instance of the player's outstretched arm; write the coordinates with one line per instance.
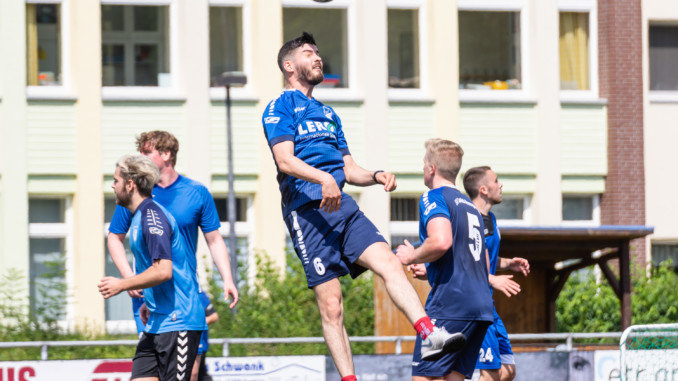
(357, 175)
(116, 247)
(159, 272)
(439, 240)
(517, 264)
(283, 153)
(219, 255)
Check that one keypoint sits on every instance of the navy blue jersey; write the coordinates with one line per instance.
(174, 304)
(315, 130)
(458, 279)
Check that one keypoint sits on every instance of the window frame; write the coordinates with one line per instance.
(527, 211)
(172, 92)
(245, 92)
(243, 229)
(595, 211)
(64, 90)
(350, 92)
(404, 228)
(590, 7)
(422, 92)
(59, 230)
(515, 95)
(658, 96)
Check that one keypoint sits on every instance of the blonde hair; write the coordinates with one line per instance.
(141, 170)
(446, 156)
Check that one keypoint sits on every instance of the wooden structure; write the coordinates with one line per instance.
(554, 253)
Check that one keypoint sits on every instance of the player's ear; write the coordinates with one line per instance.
(288, 66)
(483, 190)
(165, 156)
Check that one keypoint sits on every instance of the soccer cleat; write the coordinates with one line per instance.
(440, 342)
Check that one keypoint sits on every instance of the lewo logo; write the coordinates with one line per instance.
(112, 371)
(312, 126)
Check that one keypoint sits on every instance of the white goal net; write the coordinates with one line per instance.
(649, 352)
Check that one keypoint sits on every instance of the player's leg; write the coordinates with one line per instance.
(196, 367)
(508, 372)
(508, 362)
(176, 354)
(330, 304)
(145, 364)
(489, 375)
(489, 361)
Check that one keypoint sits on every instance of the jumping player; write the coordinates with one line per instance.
(496, 360)
(189, 202)
(166, 272)
(450, 229)
(331, 236)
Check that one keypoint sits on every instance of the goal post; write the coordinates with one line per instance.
(649, 352)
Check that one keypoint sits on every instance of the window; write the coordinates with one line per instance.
(574, 51)
(663, 252)
(404, 223)
(243, 227)
(119, 307)
(43, 44)
(403, 48)
(489, 50)
(240, 208)
(511, 208)
(329, 28)
(663, 57)
(226, 41)
(49, 240)
(582, 208)
(135, 48)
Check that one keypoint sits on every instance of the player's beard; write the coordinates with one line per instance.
(309, 76)
(124, 198)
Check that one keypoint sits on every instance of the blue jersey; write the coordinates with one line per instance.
(458, 279)
(206, 304)
(492, 241)
(315, 130)
(189, 202)
(173, 304)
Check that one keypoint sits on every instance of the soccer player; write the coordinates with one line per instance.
(331, 236)
(496, 360)
(189, 202)
(199, 372)
(450, 229)
(166, 272)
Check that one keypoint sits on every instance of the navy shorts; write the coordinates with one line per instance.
(496, 349)
(328, 244)
(463, 361)
(168, 356)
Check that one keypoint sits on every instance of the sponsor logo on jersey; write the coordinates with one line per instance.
(460, 200)
(312, 127)
(156, 231)
(272, 120)
(299, 109)
(328, 112)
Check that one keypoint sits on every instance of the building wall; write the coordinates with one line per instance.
(63, 142)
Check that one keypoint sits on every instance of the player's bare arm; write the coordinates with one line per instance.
(116, 247)
(356, 175)
(283, 154)
(220, 257)
(159, 272)
(516, 264)
(505, 284)
(439, 240)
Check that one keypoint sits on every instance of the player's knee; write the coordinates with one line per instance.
(332, 310)
(389, 267)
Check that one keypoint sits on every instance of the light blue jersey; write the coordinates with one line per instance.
(174, 304)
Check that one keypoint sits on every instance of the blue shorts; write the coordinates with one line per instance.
(496, 348)
(328, 244)
(462, 361)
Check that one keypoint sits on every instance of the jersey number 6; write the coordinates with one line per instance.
(474, 235)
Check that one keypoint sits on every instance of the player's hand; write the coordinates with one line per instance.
(388, 179)
(144, 313)
(331, 194)
(136, 293)
(520, 265)
(418, 271)
(110, 286)
(404, 252)
(232, 291)
(504, 284)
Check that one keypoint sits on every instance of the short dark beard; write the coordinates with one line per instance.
(125, 199)
(310, 77)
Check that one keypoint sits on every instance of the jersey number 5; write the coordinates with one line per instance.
(474, 236)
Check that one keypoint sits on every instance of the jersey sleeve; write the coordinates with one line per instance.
(341, 139)
(206, 304)
(278, 122)
(209, 218)
(157, 233)
(121, 221)
(432, 205)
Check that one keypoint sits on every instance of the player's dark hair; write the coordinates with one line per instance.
(472, 179)
(291, 45)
